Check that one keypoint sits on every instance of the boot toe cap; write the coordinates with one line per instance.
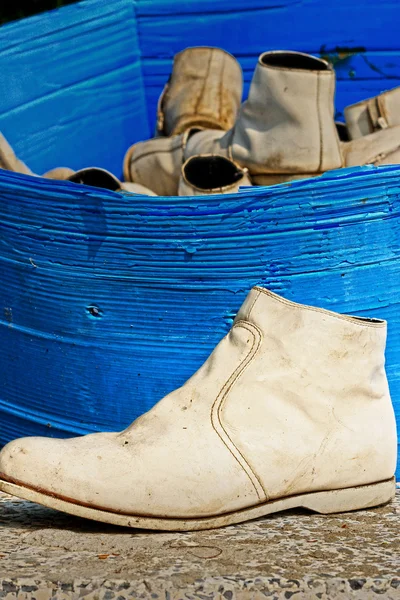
(27, 461)
(75, 469)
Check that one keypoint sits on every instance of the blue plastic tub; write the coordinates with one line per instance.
(108, 302)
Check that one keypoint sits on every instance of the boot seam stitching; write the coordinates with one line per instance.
(221, 397)
(196, 108)
(321, 142)
(252, 306)
(326, 312)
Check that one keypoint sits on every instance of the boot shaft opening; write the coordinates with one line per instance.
(208, 172)
(96, 177)
(294, 60)
(342, 131)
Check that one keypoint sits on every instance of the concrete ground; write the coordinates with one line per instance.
(45, 555)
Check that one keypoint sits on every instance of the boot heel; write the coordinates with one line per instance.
(356, 498)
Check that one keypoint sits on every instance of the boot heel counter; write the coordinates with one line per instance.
(332, 157)
(383, 419)
(392, 439)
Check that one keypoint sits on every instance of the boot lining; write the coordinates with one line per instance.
(293, 60)
(208, 172)
(96, 178)
(343, 133)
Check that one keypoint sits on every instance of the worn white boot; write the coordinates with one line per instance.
(285, 130)
(59, 173)
(291, 409)
(374, 131)
(211, 174)
(10, 162)
(204, 90)
(373, 114)
(101, 178)
(378, 148)
(8, 159)
(157, 163)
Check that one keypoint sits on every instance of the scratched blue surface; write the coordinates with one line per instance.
(166, 278)
(74, 84)
(360, 37)
(109, 302)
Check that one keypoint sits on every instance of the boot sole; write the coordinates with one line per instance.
(334, 501)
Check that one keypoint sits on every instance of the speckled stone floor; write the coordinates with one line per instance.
(45, 555)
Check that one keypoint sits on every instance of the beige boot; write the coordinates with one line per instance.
(101, 178)
(10, 162)
(374, 131)
(292, 409)
(373, 114)
(8, 159)
(205, 90)
(157, 163)
(211, 174)
(285, 129)
(379, 148)
(60, 173)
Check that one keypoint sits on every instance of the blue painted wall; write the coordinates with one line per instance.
(74, 85)
(82, 86)
(359, 36)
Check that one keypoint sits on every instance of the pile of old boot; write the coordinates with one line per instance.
(285, 129)
(207, 142)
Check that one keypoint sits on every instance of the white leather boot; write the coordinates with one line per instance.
(60, 173)
(291, 409)
(374, 131)
(285, 130)
(373, 114)
(10, 162)
(211, 174)
(157, 163)
(204, 90)
(101, 178)
(378, 148)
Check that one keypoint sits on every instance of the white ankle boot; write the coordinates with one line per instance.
(205, 90)
(211, 174)
(285, 130)
(157, 163)
(374, 131)
(291, 409)
(8, 159)
(373, 114)
(101, 178)
(10, 162)
(378, 148)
